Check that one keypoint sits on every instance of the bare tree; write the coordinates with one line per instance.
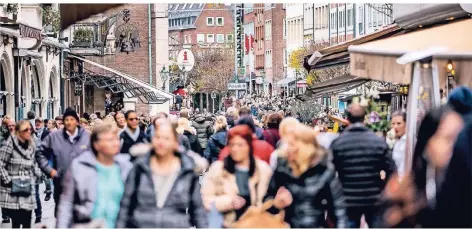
(213, 70)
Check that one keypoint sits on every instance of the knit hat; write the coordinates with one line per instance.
(70, 112)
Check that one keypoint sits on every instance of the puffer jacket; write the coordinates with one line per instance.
(315, 191)
(216, 143)
(138, 205)
(79, 189)
(204, 130)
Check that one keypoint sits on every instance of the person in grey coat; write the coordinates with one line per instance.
(204, 130)
(62, 146)
(161, 186)
(94, 183)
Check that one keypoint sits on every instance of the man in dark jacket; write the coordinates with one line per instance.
(360, 156)
(40, 134)
(246, 112)
(131, 134)
(204, 130)
(62, 146)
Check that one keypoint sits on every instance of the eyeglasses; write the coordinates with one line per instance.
(26, 130)
(133, 119)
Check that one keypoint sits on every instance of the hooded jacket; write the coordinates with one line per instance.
(80, 189)
(138, 205)
(216, 143)
(203, 128)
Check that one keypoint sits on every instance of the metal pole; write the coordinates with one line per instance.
(235, 45)
(412, 111)
(213, 106)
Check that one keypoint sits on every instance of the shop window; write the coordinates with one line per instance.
(210, 21)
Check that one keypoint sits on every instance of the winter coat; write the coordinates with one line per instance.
(272, 136)
(58, 147)
(4, 133)
(194, 142)
(220, 187)
(138, 205)
(316, 190)
(230, 121)
(80, 189)
(204, 130)
(359, 156)
(216, 143)
(16, 162)
(262, 150)
(127, 142)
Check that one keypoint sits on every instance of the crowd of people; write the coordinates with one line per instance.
(197, 169)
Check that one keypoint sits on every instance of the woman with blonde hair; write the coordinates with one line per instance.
(286, 128)
(184, 128)
(304, 183)
(218, 140)
(18, 172)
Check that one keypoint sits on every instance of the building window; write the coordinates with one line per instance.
(189, 39)
(200, 38)
(268, 6)
(259, 44)
(210, 21)
(229, 38)
(210, 38)
(349, 17)
(220, 21)
(340, 20)
(268, 30)
(220, 38)
(268, 59)
(248, 8)
(185, 39)
(284, 25)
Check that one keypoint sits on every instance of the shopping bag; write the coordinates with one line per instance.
(215, 218)
(259, 217)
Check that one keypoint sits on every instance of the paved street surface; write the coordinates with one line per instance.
(48, 211)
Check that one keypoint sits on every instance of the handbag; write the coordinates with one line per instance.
(21, 186)
(259, 217)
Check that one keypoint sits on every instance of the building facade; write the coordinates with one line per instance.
(119, 54)
(30, 63)
(295, 31)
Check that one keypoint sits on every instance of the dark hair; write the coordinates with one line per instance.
(244, 111)
(98, 115)
(355, 114)
(248, 121)
(86, 116)
(399, 113)
(273, 121)
(45, 121)
(31, 115)
(246, 133)
(128, 113)
(116, 114)
(58, 118)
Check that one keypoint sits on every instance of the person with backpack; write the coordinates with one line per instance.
(271, 135)
(218, 140)
(162, 185)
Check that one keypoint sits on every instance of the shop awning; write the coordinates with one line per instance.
(286, 82)
(377, 59)
(301, 83)
(336, 85)
(120, 82)
(338, 54)
(72, 13)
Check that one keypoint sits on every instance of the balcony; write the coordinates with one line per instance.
(86, 39)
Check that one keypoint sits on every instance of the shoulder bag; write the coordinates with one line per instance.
(259, 217)
(21, 186)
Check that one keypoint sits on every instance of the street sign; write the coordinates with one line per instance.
(185, 60)
(236, 86)
(213, 95)
(239, 37)
(259, 80)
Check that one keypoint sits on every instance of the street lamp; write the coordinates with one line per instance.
(164, 76)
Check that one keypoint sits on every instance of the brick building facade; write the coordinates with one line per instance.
(140, 64)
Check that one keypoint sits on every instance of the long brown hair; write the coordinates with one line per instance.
(246, 133)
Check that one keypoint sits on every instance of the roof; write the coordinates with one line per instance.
(72, 13)
(338, 54)
(336, 85)
(120, 82)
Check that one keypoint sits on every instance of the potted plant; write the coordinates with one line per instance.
(83, 37)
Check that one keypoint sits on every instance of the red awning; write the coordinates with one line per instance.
(179, 91)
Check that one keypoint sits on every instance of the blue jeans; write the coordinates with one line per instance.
(373, 216)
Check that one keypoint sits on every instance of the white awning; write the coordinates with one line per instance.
(140, 83)
(285, 82)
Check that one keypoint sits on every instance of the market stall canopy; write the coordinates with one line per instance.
(286, 82)
(336, 85)
(338, 54)
(72, 13)
(179, 91)
(377, 59)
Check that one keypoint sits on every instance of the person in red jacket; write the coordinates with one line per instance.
(262, 149)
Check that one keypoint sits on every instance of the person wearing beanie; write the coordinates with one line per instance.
(62, 147)
(460, 99)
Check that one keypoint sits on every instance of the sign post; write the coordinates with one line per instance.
(213, 97)
(238, 39)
